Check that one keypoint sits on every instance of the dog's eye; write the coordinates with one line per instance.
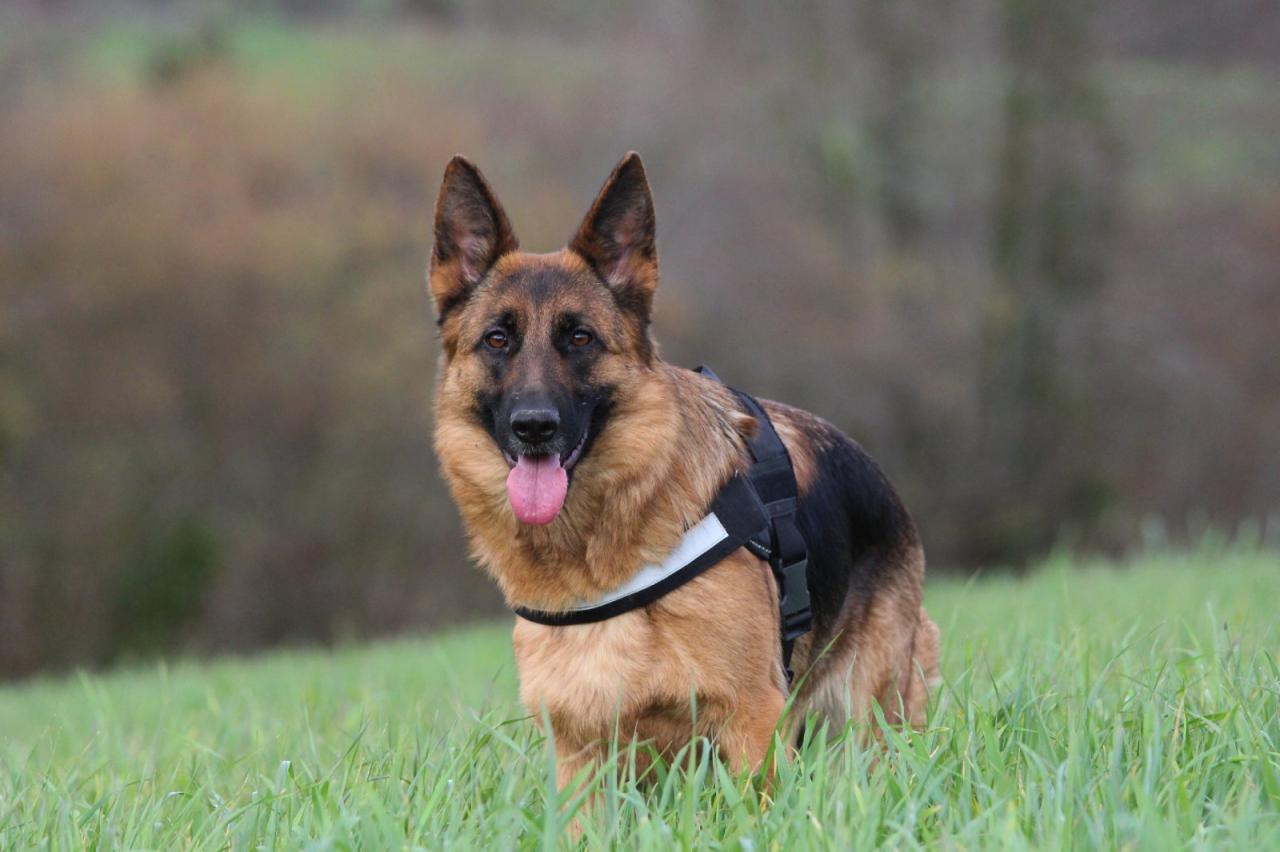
(581, 337)
(496, 339)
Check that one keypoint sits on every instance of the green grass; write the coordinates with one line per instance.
(1085, 706)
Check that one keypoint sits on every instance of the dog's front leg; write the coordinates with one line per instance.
(571, 760)
(748, 732)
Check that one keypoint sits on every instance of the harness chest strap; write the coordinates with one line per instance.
(736, 516)
(756, 511)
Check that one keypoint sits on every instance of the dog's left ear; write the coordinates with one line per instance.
(618, 238)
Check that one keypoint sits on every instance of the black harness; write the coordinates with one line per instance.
(757, 511)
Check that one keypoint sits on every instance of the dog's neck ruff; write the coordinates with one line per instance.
(736, 517)
(756, 510)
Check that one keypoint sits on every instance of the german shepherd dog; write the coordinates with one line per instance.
(576, 456)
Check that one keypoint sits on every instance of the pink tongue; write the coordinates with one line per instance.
(536, 487)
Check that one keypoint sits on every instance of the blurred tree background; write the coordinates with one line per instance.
(1026, 251)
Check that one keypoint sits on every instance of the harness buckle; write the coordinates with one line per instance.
(797, 617)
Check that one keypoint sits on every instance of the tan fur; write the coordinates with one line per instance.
(644, 670)
(891, 661)
(709, 649)
(631, 500)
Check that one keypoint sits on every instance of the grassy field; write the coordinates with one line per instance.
(1131, 706)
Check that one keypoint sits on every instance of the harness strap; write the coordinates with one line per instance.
(782, 544)
(737, 514)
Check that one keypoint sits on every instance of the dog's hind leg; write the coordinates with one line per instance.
(923, 673)
(890, 659)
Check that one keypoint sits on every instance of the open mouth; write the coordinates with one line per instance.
(537, 484)
(567, 460)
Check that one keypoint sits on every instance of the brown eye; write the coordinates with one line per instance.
(496, 340)
(580, 337)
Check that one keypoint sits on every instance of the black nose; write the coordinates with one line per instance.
(535, 425)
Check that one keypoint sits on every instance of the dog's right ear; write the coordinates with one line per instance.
(471, 232)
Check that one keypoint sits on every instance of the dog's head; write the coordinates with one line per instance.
(536, 346)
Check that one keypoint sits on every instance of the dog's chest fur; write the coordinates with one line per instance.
(585, 672)
(649, 663)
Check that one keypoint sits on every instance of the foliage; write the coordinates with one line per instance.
(216, 352)
(1084, 706)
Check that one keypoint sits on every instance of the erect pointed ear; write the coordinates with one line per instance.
(618, 239)
(471, 233)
